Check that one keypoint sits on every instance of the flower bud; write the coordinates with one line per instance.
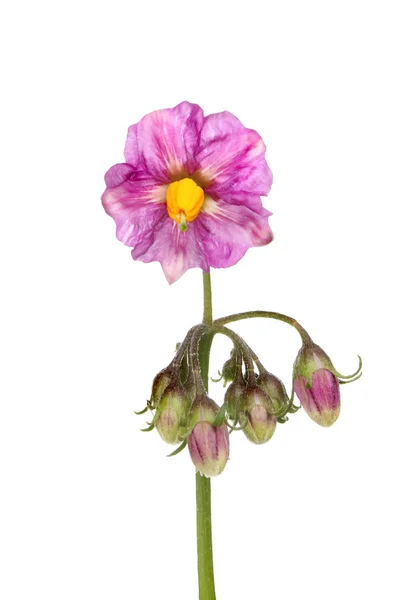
(230, 367)
(208, 444)
(159, 385)
(233, 397)
(209, 448)
(316, 384)
(171, 415)
(255, 416)
(274, 389)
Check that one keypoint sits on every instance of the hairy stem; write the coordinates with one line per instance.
(267, 315)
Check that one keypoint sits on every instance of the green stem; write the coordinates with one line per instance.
(203, 490)
(207, 304)
(267, 315)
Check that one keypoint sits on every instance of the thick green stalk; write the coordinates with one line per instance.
(203, 490)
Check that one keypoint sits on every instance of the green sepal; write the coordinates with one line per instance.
(352, 377)
(141, 412)
(351, 380)
(217, 380)
(220, 416)
(178, 450)
(234, 428)
(283, 419)
(151, 426)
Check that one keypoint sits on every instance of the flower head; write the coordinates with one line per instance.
(189, 193)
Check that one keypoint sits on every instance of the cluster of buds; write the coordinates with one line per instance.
(255, 400)
(184, 414)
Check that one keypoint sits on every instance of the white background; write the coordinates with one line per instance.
(90, 507)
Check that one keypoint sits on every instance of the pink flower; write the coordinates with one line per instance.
(189, 192)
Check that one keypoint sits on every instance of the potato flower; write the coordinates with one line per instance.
(189, 193)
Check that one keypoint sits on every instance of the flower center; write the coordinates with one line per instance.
(184, 200)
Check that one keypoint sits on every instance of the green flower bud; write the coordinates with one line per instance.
(274, 389)
(255, 417)
(233, 397)
(230, 368)
(160, 383)
(172, 412)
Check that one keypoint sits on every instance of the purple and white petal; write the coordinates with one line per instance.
(228, 231)
(166, 141)
(232, 162)
(120, 173)
(135, 205)
(176, 250)
(325, 388)
(321, 401)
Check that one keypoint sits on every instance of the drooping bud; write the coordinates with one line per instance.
(233, 397)
(255, 415)
(208, 444)
(230, 368)
(316, 384)
(160, 383)
(274, 389)
(171, 415)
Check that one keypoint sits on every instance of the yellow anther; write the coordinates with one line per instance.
(184, 200)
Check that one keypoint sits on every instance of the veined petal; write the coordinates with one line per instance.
(176, 250)
(321, 401)
(165, 141)
(135, 205)
(228, 231)
(118, 174)
(231, 160)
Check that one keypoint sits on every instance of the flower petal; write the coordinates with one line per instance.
(176, 250)
(228, 231)
(165, 142)
(232, 162)
(118, 174)
(321, 401)
(136, 204)
(325, 388)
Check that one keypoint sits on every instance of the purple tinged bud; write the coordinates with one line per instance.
(316, 384)
(321, 400)
(255, 416)
(171, 415)
(209, 448)
(208, 444)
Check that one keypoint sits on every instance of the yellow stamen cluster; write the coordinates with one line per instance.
(184, 200)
